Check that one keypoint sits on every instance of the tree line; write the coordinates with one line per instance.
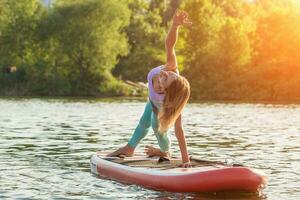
(235, 50)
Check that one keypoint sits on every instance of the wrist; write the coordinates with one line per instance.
(186, 160)
(174, 25)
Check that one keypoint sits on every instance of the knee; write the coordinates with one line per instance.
(155, 129)
(162, 136)
(163, 142)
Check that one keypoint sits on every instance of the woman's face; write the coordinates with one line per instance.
(165, 78)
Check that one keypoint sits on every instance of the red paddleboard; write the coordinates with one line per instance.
(166, 175)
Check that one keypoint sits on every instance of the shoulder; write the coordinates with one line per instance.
(175, 70)
(154, 71)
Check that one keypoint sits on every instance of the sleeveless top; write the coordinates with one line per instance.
(155, 98)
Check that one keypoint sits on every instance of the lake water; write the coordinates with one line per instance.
(46, 144)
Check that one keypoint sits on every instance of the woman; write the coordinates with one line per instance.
(168, 94)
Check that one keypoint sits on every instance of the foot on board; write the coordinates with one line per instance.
(152, 151)
(125, 151)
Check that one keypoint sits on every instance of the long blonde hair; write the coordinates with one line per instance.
(176, 96)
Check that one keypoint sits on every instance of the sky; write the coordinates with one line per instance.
(47, 2)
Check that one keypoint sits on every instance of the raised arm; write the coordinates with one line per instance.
(179, 18)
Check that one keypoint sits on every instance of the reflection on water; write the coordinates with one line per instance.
(45, 146)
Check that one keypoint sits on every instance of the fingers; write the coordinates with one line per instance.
(186, 165)
(186, 19)
(181, 17)
(187, 22)
(184, 14)
(181, 13)
(177, 12)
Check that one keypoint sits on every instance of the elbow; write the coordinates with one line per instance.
(169, 44)
(171, 67)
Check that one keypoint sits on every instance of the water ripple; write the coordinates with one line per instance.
(45, 146)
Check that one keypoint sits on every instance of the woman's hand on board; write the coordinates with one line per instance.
(186, 165)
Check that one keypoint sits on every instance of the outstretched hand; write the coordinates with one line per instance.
(181, 18)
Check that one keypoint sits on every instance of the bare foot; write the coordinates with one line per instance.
(152, 151)
(125, 151)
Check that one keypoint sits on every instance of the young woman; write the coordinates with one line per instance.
(168, 94)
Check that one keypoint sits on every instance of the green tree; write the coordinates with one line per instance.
(276, 45)
(146, 40)
(17, 40)
(216, 48)
(90, 39)
(69, 49)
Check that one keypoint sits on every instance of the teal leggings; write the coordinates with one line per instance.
(149, 118)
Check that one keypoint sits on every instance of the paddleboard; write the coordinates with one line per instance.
(164, 174)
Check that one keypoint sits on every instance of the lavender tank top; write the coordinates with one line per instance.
(156, 99)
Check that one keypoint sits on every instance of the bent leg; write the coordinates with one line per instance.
(163, 139)
(143, 127)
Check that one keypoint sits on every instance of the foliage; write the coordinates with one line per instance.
(217, 48)
(67, 50)
(146, 40)
(235, 50)
(243, 50)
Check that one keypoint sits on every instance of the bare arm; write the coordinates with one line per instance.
(170, 48)
(182, 143)
(180, 18)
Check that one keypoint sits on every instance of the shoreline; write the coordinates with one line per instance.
(144, 98)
